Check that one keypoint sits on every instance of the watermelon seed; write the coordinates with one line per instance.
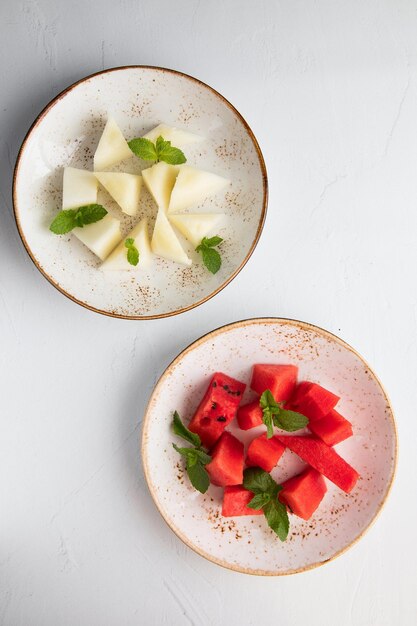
(221, 418)
(214, 405)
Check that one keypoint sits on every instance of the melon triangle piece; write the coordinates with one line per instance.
(118, 258)
(193, 186)
(100, 237)
(165, 242)
(160, 180)
(112, 147)
(178, 138)
(195, 226)
(79, 188)
(124, 188)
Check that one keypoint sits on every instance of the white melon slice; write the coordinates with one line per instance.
(124, 188)
(100, 237)
(160, 180)
(178, 138)
(79, 188)
(112, 147)
(118, 258)
(165, 242)
(195, 226)
(193, 186)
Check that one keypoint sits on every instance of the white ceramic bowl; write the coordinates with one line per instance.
(246, 544)
(67, 133)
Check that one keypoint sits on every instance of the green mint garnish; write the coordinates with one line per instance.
(275, 415)
(265, 491)
(69, 219)
(182, 431)
(195, 458)
(167, 153)
(161, 150)
(211, 258)
(132, 251)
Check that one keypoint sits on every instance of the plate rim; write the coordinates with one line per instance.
(44, 113)
(189, 348)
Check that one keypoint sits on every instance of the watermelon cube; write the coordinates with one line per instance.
(303, 493)
(323, 458)
(227, 458)
(312, 400)
(332, 429)
(250, 415)
(217, 408)
(264, 453)
(236, 500)
(279, 379)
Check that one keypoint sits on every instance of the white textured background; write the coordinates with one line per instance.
(330, 90)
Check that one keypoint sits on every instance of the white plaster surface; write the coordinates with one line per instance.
(330, 90)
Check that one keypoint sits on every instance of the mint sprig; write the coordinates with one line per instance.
(182, 431)
(275, 415)
(132, 251)
(68, 219)
(266, 491)
(211, 258)
(161, 150)
(195, 458)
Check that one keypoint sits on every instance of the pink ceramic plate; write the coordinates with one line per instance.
(246, 544)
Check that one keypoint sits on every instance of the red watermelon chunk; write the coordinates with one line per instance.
(324, 459)
(217, 408)
(303, 493)
(279, 379)
(313, 401)
(250, 415)
(236, 500)
(264, 453)
(333, 428)
(226, 465)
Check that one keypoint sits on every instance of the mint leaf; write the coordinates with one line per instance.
(275, 415)
(167, 153)
(257, 480)
(211, 258)
(160, 144)
(259, 501)
(182, 431)
(195, 462)
(203, 457)
(195, 457)
(132, 251)
(69, 219)
(267, 401)
(189, 453)
(269, 409)
(198, 476)
(268, 420)
(211, 242)
(143, 148)
(161, 150)
(290, 420)
(91, 213)
(64, 222)
(277, 518)
(266, 492)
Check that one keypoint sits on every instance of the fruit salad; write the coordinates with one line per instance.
(176, 188)
(283, 405)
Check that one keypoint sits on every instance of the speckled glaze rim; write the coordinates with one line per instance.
(251, 135)
(195, 344)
